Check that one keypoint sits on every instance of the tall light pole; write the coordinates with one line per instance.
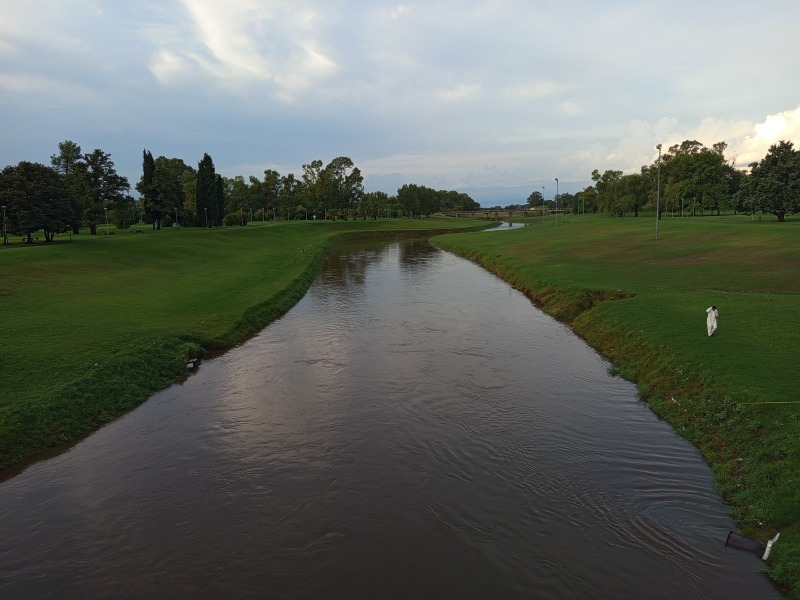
(206, 209)
(106, 209)
(658, 189)
(542, 205)
(5, 227)
(178, 225)
(556, 205)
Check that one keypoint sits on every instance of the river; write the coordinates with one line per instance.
(413, 428)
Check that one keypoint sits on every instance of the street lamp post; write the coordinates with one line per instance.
(556, 205)
(542, 205)
(658, 189)
(206, 209)
(5, 227)
(178, 225)
(106, 209)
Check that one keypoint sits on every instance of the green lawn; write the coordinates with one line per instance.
(733, 395)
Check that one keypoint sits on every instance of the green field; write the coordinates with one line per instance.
(641, 302)
(93, 327)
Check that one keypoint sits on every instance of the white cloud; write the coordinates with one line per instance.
(533, 90)
(460, 92)
(399, 11)
(748, 141)
(167, 65)
(782, 126)
(243, 44)
(571, 108)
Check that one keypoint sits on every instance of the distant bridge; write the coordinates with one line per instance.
(500, 214)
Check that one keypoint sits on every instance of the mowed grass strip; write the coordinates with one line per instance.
(641, 302)
(92, 328)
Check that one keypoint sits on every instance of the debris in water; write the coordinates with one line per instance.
(757, 548)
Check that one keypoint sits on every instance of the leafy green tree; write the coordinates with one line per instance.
(535, 200)
(106, 189)
(567, 200)
(429, 201)
(312, 189)
(69, 153)
(696, 178)
(168, 183)
(418, 200)
(240, 193)
(458, 201)
(583, 200)
(629, 194)
(409, 196)
(291, 189)
(68, 162)
(374, 204)
(36, 197)
(773, 186)
(189, 199)
(342, 186)
(608, 200)
(270, 190)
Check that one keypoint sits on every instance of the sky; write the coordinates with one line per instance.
(494, 98)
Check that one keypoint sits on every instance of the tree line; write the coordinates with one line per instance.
(690, 179)
(82, 189)
(78, 189)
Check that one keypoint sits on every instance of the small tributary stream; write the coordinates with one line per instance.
(413, 428)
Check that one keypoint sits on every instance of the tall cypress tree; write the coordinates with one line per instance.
(205, 193)
(146, 187)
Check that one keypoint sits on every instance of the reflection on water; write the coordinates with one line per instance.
(412, 428)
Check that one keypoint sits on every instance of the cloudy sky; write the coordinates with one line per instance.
(495, 98)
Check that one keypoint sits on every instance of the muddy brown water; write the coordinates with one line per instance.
(413, 428)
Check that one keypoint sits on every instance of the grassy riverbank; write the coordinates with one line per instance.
(93, 327)
(733, 395)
